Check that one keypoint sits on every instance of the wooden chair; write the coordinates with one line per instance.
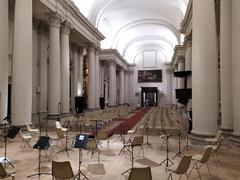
(140, 174)
(181, 168)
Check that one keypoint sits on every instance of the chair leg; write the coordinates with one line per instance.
(195, 166)
(170, 176)
(208, 169)
(98, 158)
(214, 159)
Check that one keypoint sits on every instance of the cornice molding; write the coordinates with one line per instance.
(186, 24)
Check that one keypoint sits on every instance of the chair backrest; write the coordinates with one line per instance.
(62, 170)
(219, 143)
(60, 133)
(58, 124)
(137, 141)
(28, 127)
(140, 174)
(102, 135)
(92, 144)
(21, 133)
(184, 165)
(206, 155)
(3, 173)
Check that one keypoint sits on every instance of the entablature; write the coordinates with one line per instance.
(69, 12)
(186, 24)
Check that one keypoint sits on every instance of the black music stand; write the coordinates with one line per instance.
(179, 153)
(167, 160)
(188, 117)
(11, 133)
(81, 143)
(42, 144)
(147, 129)
(132, 158)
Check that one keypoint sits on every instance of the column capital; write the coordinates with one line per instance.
(91, 48)
(75, 47)
(112, 62)
(42, 28)
(97, 50)
(66, 27)
(81, 50)
(55, 20)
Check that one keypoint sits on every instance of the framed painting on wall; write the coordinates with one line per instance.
(154, 76)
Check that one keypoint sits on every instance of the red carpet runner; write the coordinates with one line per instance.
(129, 123)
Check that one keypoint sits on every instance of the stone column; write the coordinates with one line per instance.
(226, 65)
(3, 58)
(35, 67)
(43, 58)
(131, 96)
(54, 93)
(235, 68)
(169, 83)
(126, 93)
(75, 69)
(91, 78)
(102, 79)
(204, 70)
(97, 78)
(175, 86)
(188, 59)
(22, 64)
(181, 68)
(121, 88)
(112, 84)
(80, 66)
(65, 68)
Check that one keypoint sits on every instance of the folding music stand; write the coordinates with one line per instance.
(167, 160)
(11, 133)
(81, 143)
(42, 144)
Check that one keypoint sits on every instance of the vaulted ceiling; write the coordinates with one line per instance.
(135, 26)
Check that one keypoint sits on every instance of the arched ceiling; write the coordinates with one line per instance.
(133, 26)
